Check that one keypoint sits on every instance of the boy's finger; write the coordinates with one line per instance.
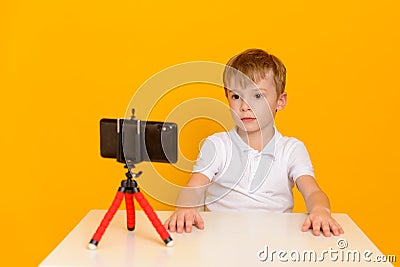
(166, 224)
(306, 224)
(326, 229)
(316, 227)
(172, 226)
(172, 223)
(180, 221)
(198, 221)
(188, 224)
(336, 229)
(340, 229)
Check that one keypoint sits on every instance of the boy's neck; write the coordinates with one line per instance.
(257, 139)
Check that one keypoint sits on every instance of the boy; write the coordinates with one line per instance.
(253, 167)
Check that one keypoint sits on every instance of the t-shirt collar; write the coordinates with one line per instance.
(269, 149)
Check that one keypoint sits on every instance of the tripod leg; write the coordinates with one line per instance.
(130, 211)
(106, 220)
(154, 219)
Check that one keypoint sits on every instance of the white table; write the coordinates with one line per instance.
(229, 239)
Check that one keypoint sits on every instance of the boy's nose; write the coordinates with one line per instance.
(244, 106)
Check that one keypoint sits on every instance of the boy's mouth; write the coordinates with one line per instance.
(248, 119)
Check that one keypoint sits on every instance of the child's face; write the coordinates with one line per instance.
(254, 107)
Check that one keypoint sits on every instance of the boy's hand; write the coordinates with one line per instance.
(320, 218)
(184, 218)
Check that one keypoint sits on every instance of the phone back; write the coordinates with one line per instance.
(109, 139)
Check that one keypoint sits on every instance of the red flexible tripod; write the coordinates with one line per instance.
(130, 190)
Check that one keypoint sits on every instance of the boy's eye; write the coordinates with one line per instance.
(259, 95)
(235, 97)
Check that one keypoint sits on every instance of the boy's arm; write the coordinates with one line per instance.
(317, 204)
(190, 196)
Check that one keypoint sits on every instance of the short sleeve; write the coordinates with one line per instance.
(209, 162)
(299, 162)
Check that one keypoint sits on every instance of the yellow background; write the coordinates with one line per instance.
(66, 64)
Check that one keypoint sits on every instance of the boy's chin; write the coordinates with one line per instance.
(249, 129)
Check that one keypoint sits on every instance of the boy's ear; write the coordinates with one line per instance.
(282, 101)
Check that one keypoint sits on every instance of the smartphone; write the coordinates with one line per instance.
(137, 141)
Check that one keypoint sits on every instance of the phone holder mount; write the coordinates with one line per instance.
(129, 190)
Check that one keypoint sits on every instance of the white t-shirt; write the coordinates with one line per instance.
(244, 179)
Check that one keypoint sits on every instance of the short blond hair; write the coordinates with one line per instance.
(256, 64)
